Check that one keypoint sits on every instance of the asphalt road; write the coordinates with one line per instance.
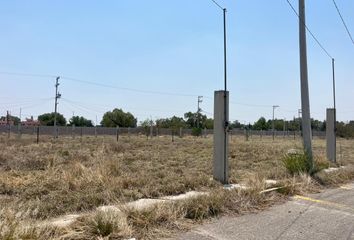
(327, 215)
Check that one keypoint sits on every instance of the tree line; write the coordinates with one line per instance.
(196, 121)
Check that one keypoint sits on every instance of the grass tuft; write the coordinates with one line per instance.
(101, 225)
(297, 163)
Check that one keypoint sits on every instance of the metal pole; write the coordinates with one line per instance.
(37, 141)
(198, 112)
(225, 53)
(334, 84)
(335, 110)
(57, 95)
(305, 98)
(273, 123)
(273, 129)
(225, 103)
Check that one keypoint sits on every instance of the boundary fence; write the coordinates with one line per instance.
(73, 131)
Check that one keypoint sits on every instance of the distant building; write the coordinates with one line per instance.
(30, 122)
(4, 122)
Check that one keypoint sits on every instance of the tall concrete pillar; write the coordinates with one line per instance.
(331, 135)
(305, 96)
(221, 139)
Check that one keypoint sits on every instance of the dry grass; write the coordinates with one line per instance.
(77, 175)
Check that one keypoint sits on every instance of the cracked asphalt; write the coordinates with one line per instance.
(326, 215)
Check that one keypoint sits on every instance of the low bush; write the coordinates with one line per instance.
(297, 163)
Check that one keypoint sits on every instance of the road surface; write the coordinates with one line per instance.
(327, 215)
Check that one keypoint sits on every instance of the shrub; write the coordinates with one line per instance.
(297, 163)
(196, 131)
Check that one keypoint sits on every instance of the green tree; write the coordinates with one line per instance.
(294, 125)
(345, 130)
(80, 122)
(118, 117)
(261, 124)
(209, 123)
(47, 119)
(146, 124)
(173, 123)
(193, 118)
(317, 125)
(236, 124)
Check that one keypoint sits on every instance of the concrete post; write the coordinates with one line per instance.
(221, 140)
(331, 135)
(305, 98)
(180, 132)
(37, 140)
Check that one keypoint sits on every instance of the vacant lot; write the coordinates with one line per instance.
(53, 178)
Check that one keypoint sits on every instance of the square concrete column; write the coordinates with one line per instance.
(331, 134)
(221, 138)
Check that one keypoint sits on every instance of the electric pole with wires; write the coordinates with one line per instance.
(200, 100)
(221, 120)
(305, 98)
(57, 96)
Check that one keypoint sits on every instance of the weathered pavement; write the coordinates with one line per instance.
(327, 215)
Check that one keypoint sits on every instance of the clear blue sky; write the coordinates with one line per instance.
(171, 46)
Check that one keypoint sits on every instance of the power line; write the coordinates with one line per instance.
(313, 36)
(29, 74)
(100, 84)
(251, 105)
(128, 89)
(217, 4)
(99, 108)
(341, 17)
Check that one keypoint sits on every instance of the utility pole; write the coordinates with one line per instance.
(335, 110)
(273, 128)
(305, 98)
(331, 124)
(200, 100)
(57, 96)
(221, 121)
(226, 107)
